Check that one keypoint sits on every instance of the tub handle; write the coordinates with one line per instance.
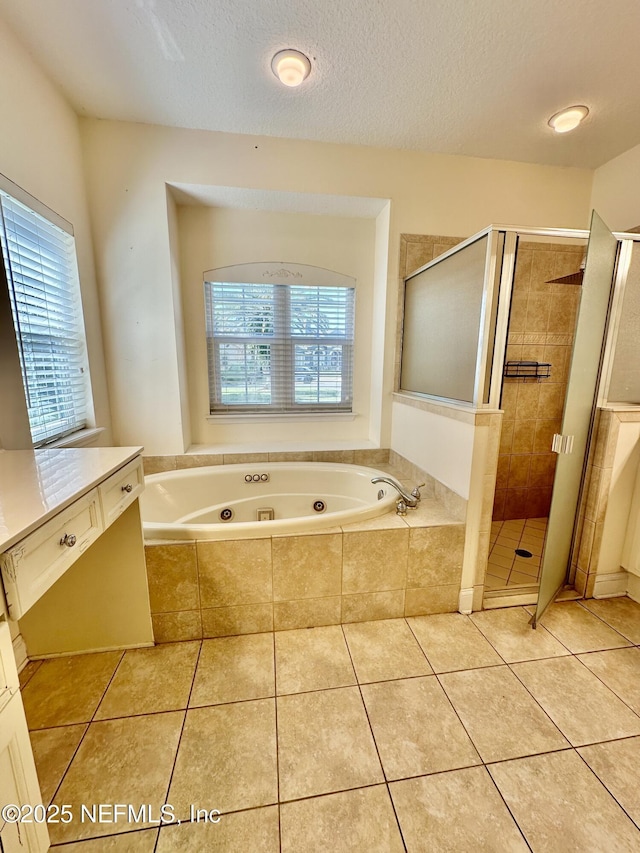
(416, 492)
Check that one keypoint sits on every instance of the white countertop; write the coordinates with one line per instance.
(37, 484)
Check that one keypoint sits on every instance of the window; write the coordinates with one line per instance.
(42, 277)
(279, 348)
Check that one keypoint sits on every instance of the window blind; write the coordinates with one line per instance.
(42, 277)
(279, 348)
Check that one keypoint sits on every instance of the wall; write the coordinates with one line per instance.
(128, 166)
(541, 328)
(40, 151)
(616, 191)
(219, 237)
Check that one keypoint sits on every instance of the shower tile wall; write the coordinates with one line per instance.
(541, 329)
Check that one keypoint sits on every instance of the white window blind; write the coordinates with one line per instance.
(279, 348)
(42, 277)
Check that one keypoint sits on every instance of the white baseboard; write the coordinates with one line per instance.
(633, 587)
(611, 585)
(93, 651)
(20, 652)
(465, 601)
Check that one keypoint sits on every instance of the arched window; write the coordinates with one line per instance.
(279, 338)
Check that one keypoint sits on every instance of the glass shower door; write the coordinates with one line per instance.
(579, 410)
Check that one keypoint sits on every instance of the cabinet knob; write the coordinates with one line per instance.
(127, 488)
(69, 539)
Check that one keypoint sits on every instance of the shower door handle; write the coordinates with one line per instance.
(562, 443)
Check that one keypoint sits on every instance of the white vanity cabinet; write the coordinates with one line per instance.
(18, 779)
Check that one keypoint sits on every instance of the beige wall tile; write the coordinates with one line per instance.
(172, 576)
(528, 400)
(307, 566)
(506, 436)
(523, 436)
(374, 561)
(435, 555)
(198, 460)
(158, 464)
(542, 471)
(245, 458)
(373, 605)
(432, 599)
(551, 402)
(235, 572)
(519, 471)
(537, 312)
(293, 456)
(545, 429)
(345, 457)
(176, 627)
(371, 458)
(242, 619)
(306, 613)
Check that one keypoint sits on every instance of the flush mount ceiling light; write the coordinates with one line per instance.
(568, 119)
(290, 67)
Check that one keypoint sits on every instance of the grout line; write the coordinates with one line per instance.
(607, 789)
(375, 743)
(275, 703)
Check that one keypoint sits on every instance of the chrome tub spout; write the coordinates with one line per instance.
(411, 500)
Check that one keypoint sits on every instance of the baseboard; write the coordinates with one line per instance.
(510, 599)
(633, 587)
(93, 651)
(465, 601)
(611, 585)
(20, 652)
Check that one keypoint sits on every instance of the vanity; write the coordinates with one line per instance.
(73, 580)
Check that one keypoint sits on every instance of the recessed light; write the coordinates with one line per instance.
(290, 67)
(568, 119)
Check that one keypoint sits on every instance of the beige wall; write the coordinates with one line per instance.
(40, 151)
(616, 191)
(219, 237)
(129, 164)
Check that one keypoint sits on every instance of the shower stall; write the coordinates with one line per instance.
(540, 326)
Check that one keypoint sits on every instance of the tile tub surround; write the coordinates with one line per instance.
(306, 741)
(383, 568)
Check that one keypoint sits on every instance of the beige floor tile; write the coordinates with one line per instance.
(342, 823)
(151, 680)
(452, 642)
(579, 630)
(579, 704)
(619, 669)
(455, 812)
(255, 830)
(500, 716)
(53, 750)
(385, 649)
(509, 631)
(227, 758)
(623, 614)
(28, 671)
(492, 582)
(142, 841)
(521, 579)
(561, 806)
(68, 690)
(324, 744)
(415, 728)
(119, 761)
(231, 669)
(499, 571)
(616, 765)
(312, 659)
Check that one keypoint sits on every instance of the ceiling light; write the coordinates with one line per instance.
(290, 67)
(568, 119)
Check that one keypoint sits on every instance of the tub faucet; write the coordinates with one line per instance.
(411, 500)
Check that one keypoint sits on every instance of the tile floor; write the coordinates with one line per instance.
(505, 568)
(432, 733)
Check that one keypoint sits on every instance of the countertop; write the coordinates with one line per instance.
(35, 485)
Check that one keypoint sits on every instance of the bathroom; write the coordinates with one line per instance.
(152, 209)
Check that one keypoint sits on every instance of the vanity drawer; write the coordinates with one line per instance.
(120, 490)
(32, 566)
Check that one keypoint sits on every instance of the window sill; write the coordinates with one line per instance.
(256, 418)
(82, 438)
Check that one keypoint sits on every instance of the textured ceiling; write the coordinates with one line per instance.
(475, 77)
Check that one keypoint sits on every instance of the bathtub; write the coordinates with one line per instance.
(227, 501)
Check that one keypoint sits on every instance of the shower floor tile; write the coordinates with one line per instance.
(507, 569)
(461, 733)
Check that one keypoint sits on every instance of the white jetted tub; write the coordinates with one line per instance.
(258, 500)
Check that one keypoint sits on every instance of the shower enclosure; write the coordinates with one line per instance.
(508, 321)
